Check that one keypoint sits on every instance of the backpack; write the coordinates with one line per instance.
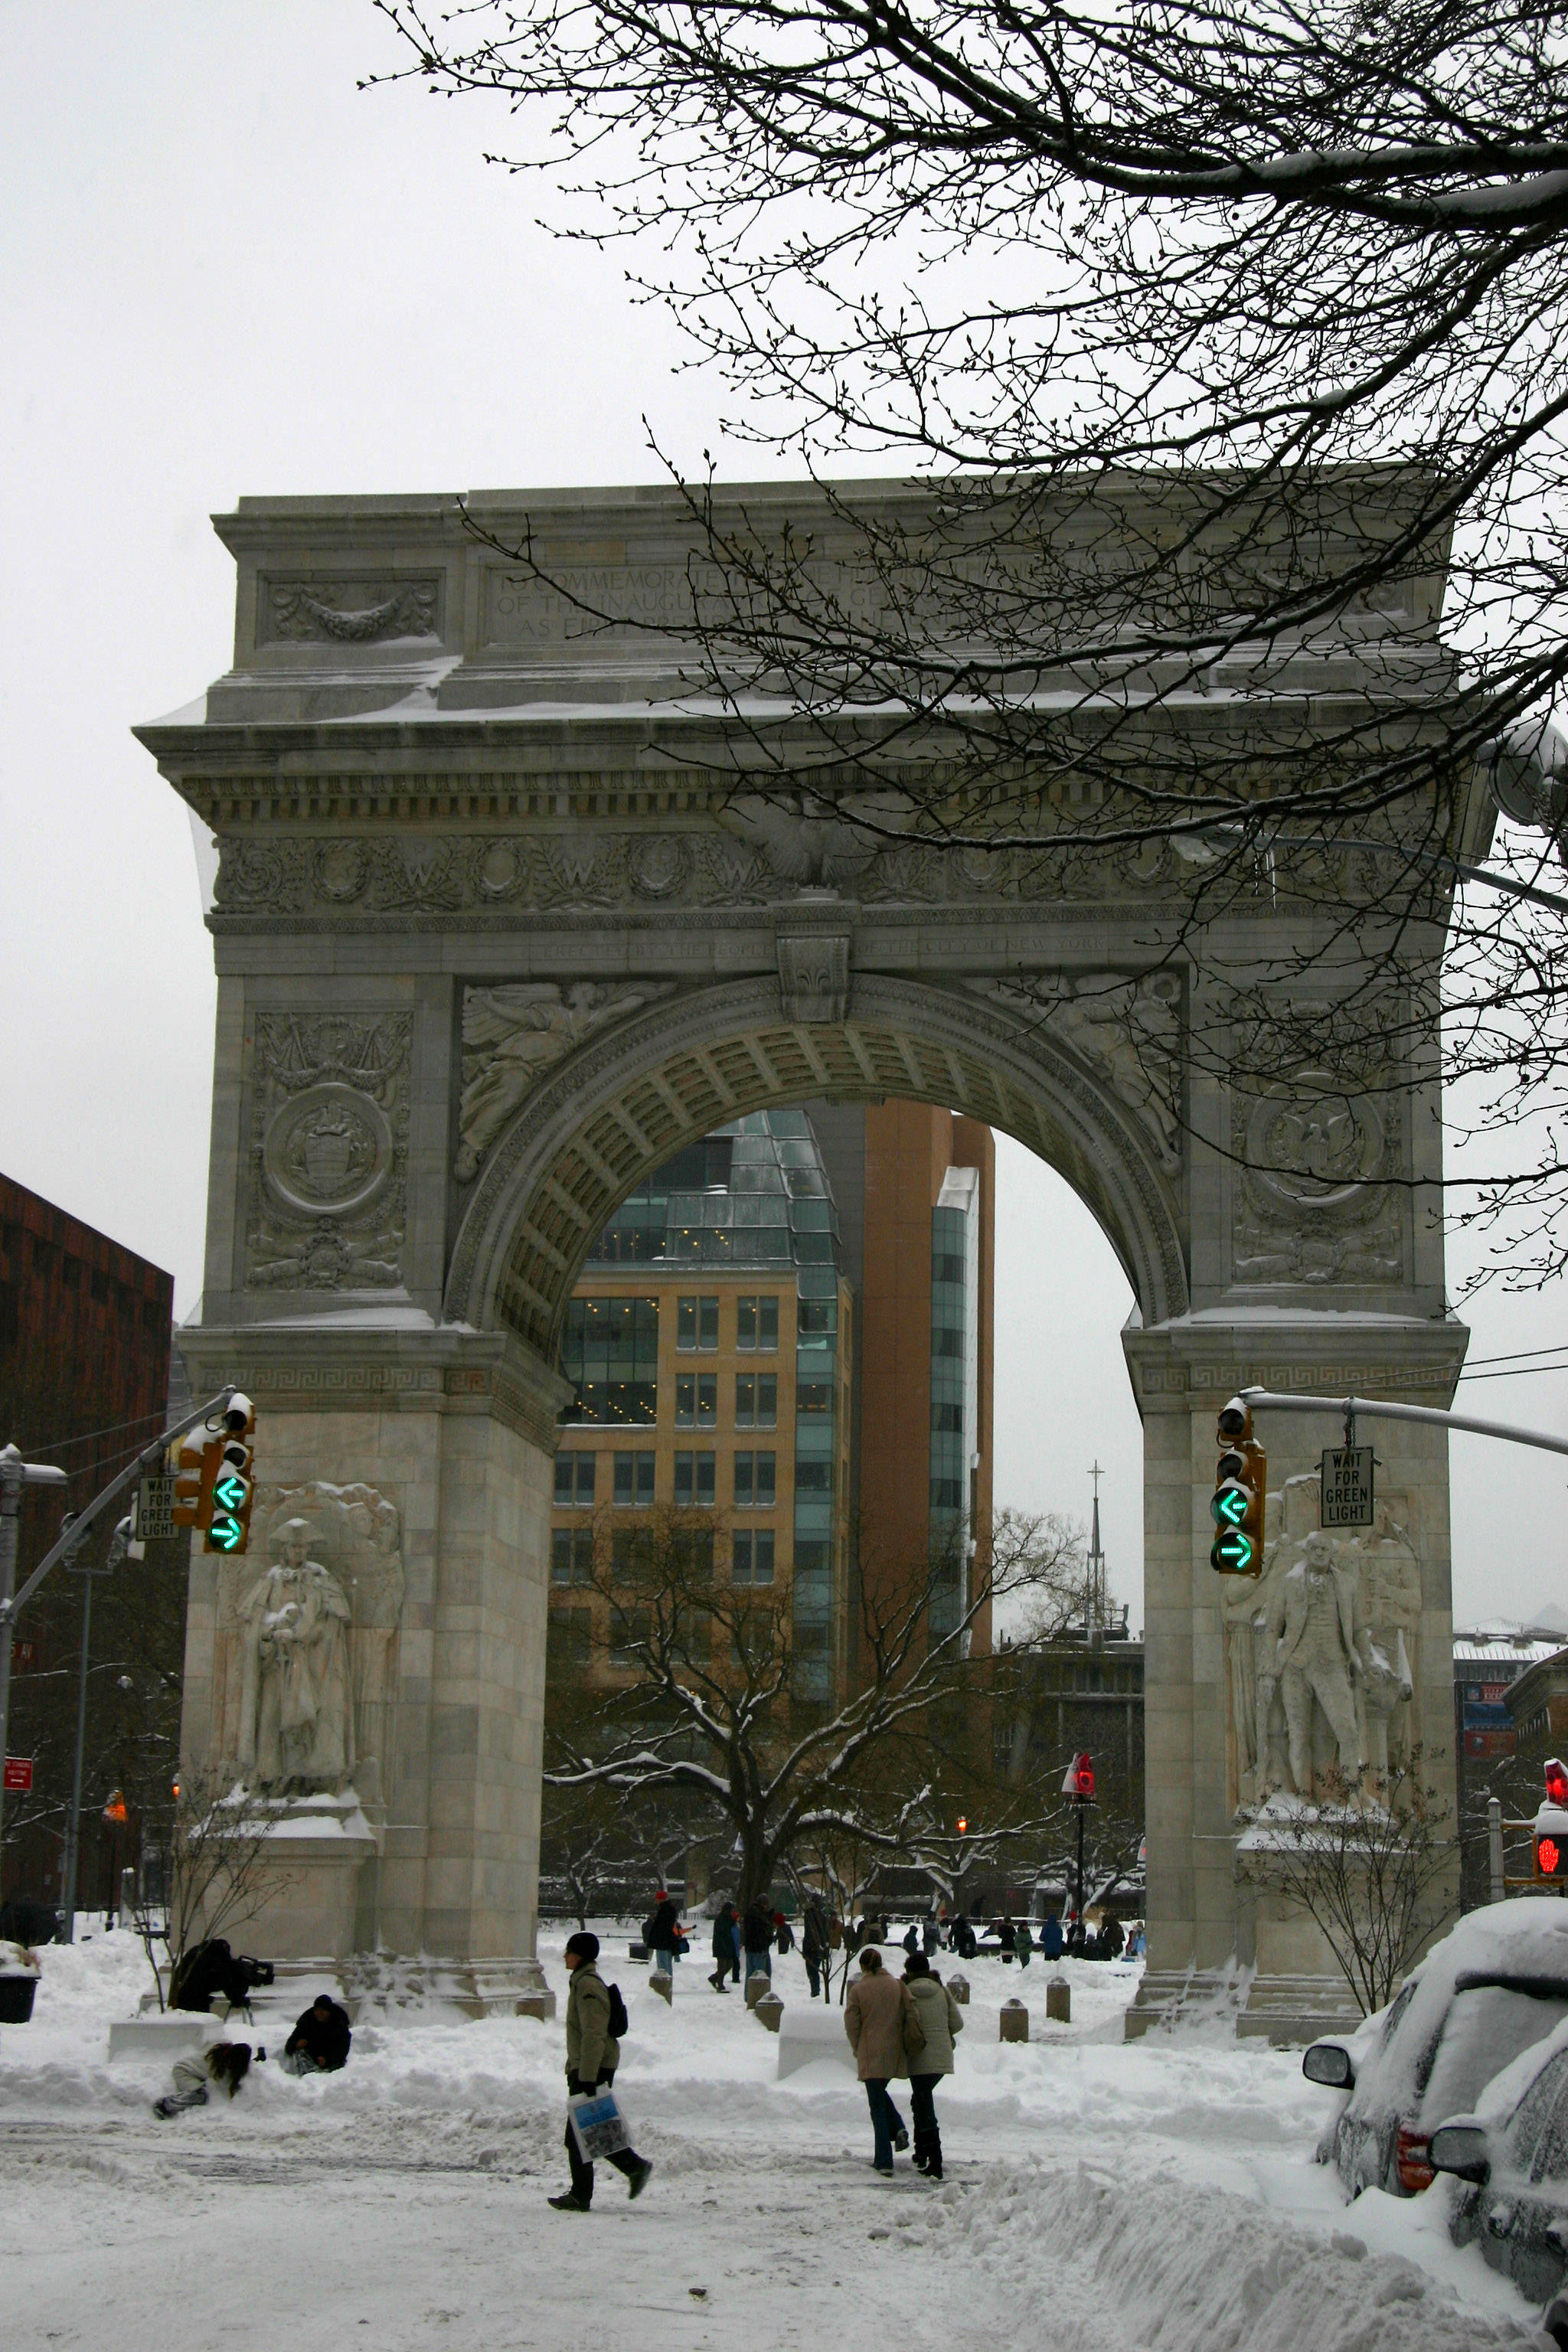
(619, 2021)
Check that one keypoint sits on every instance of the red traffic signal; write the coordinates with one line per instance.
(1080, 1781)
(962, 1824)
(1557, 1782)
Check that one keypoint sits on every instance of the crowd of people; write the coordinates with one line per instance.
(900, 2028)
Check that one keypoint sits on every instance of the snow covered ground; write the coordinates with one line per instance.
(1100, 2196)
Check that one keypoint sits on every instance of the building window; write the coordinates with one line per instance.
(813, 1477)
(634, 1480)
(567, 1640)
(696, 1324)
(696, 1478)
(753, 1561)
(571, 1555)
(756, 1401)
(755, 1482)
(610, 1354)
(696, 1400)
(575, 1480)
(629, 1628)
(692, 1554)
(757, 1324)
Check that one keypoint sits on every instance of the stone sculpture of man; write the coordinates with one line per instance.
(296, 1711)
(1312, 1623)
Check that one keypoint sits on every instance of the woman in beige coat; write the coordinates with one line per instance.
(884, 2030)
(940, 2018)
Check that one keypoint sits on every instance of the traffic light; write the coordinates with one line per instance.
(1240, 1492)
(1552, 1824)
(1080, 1780)
(195, 1466)
(233, 1486)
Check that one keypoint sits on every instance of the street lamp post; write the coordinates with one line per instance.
(86, 1570)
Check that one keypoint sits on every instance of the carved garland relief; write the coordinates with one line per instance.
(329, 1138)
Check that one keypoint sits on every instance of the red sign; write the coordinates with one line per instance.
(1549, 1856)
(19, 1773)
(24, 1656)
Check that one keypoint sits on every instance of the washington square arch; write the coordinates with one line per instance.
(432, 788)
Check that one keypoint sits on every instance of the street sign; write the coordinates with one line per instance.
(1347, 1487)
(24, 1655)
(18, 1775)
(155, 1509)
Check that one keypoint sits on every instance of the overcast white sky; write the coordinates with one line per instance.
(224, 270)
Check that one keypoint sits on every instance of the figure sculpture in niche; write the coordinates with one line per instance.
(1312, 1630)
(295, 1710)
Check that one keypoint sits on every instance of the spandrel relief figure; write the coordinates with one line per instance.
(297, 1712)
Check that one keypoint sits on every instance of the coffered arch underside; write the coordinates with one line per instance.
(622, 1107)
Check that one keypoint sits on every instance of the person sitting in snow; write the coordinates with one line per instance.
(225, 2063)
(319, 2041)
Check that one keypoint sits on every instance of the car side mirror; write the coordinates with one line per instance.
(1462, 2149)
(1328, 2064)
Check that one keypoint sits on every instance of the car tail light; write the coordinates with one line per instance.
(1410, 2161)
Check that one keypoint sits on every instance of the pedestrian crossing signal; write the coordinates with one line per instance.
(1237, 1506)
(1549, 1857)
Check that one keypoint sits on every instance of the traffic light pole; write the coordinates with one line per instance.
(14, 1474)
(1375, 1409)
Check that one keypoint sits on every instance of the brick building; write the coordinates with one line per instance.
(85, 1331)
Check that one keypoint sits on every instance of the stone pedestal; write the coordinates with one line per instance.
(320, 1851)
(1059, 2001)
(1014, 2021)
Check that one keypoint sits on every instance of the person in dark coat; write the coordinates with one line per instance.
(1112, 1936)
(664, 1929)
(1005, 1935)
(783, 1934)
(726, 1959)
(757, 1934)
(1051, 1936)
(319, 2041)
(963, 1942)
(911, 1938)
(814, 1944)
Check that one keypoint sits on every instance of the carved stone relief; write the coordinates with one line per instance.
(329, 1135)
(432, 874)
(349, 612)
(511, 1036)
(813, 976)
(305, 1664)
(1321, 1653)
(1128, 1032)
(1309, 1206)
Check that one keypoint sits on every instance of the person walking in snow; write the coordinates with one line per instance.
(224, 2063)
(1051, 1936)
(726, 1954)
(592, 2053)
(664, 1930)
(884, 2030)
(783, 1934)
(814, 1944)
(1023, 1943)
(941, 2019)
(930, 1934)
(758, 1937)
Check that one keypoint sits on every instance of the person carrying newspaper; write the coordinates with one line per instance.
(592, 2053)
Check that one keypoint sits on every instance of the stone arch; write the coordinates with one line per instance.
(623, 1105)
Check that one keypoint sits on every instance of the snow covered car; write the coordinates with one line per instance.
(1495, 1987)
(1509, 2160)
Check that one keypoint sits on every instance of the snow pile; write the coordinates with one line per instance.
(1194, 2273)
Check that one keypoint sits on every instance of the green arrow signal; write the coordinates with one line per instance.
(1234, 1553)
(230, 1491)
(1230, 1506)
(225, 1534)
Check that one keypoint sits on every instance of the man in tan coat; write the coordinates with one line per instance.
(592, 2053)
(884, 2030)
